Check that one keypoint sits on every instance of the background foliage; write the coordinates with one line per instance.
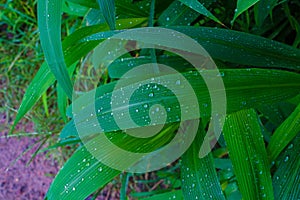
(255, 44)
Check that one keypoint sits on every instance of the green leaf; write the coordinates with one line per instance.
(81, 175)
(263, 9)
(62, 99)
(244, 89)
(197, 6)
(86, 3)
(109, 12)
(175, 194)
(49, 22)
(244, 48)
(247, 152)
(120, 66)
(277, 112)
(284, 134)
(198, 175)
(184, 15)
(286, 178)
(242, 6)
(129, 9)
(40, 83)
(44, 78)
(237, 47)
(84, 174)
(74, 9)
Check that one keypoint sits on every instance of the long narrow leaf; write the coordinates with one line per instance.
(44, 78)
(109, 12)
(244, 89)
(197, 6)
(287, 177)
(176, 195)
(263, 9)
(284, 134)
(198, 175)
(184, 15)
(80, 176)
(237, 47)
(49, 22)
(242, 6)
(84, 174)
(247, 151)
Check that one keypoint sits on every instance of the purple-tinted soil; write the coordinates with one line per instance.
(21, 182)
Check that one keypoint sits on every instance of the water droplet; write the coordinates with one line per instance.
(221, 74)
(178, 82)
(167, 18)
(73, 188)
(286, 158)
(151, 94)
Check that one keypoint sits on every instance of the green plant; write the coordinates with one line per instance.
(257, 156)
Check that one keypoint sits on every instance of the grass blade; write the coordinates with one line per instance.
(263, 9)
(80, 176)
(49, 22)
(242, 6)
(184, 15)
(62, 99)
(84, 174)
(175, 194)
(287, 177)
(198, 175)
(197, 6)
(44, 78)
(109, 12)
(247, 152)
(244, 89)
(86, 3)
(244, 48)
(237, 47)
(284, 134)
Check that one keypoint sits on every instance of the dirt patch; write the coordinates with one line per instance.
(21, 182)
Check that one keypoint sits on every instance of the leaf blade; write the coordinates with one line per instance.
(284, 134)
(199, 177)
(49, 22)
(246, 147)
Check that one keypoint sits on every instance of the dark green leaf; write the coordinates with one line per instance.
(287, 177)
(284, 134)
(244, 89)
(199, 7)
(176, 195)
(242, 6)
(198, 175)
(109, 12)
(49, 22)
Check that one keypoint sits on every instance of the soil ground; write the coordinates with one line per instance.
(18, 181)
